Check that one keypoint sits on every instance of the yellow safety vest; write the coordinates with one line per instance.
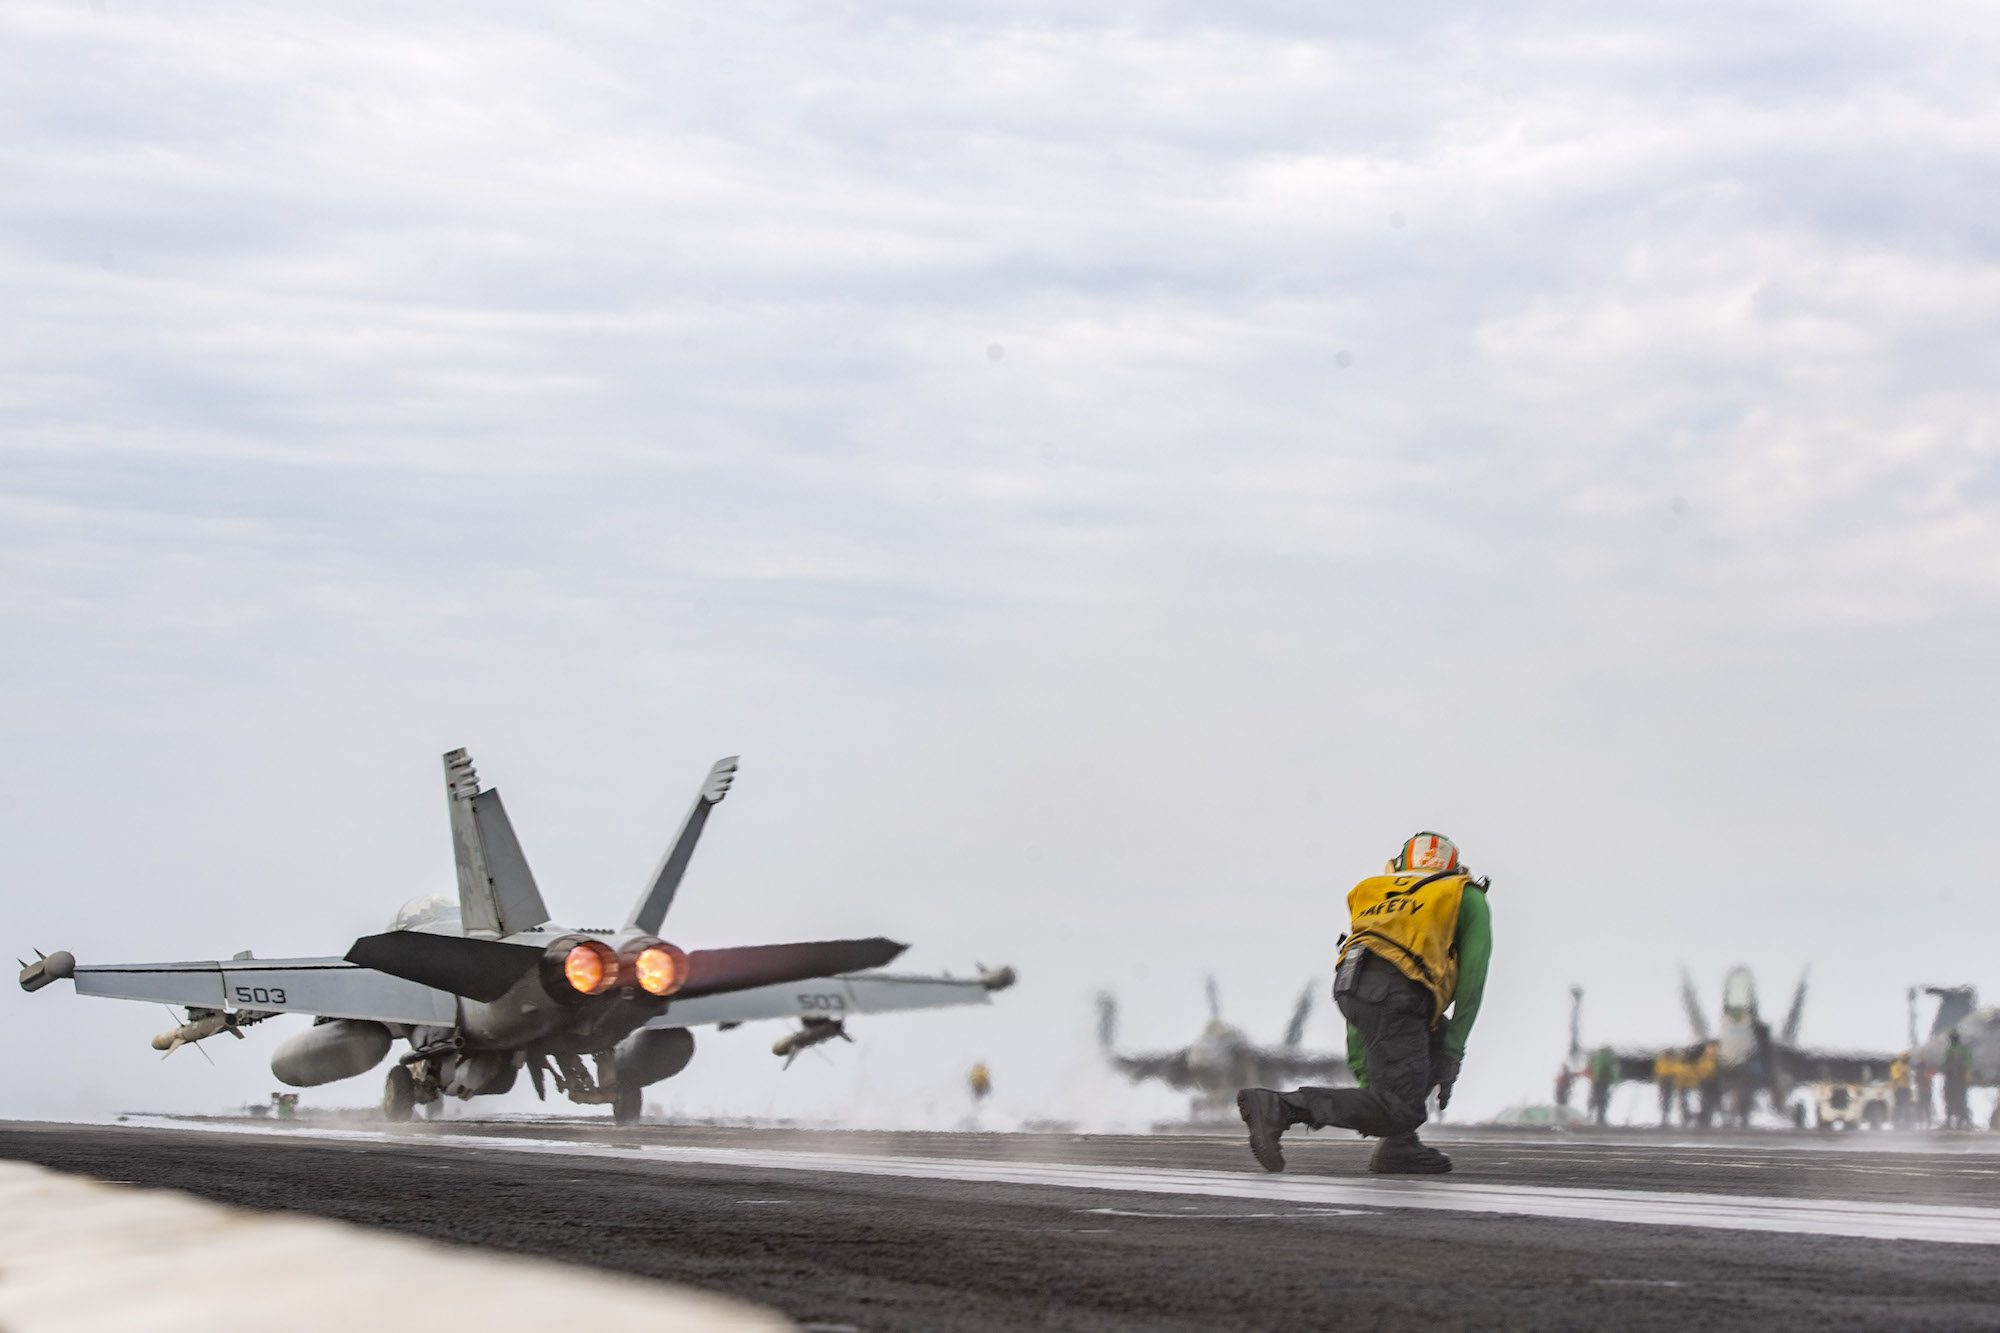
(1411, 922)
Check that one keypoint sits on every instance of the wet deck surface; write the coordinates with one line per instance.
(926, 1231)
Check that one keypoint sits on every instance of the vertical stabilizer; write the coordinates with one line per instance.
(1954, 1003)
(651, 909)
(496, 890)
(1796, 1015)
(1692, 1003)
(1295, 1031)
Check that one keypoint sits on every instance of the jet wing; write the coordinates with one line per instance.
(327, 987)
(825, 997)
(1170, 1067)
(1806, 1065)
(1634, 1064)
(1285, 1068)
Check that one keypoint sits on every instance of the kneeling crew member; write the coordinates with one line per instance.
(1420, 943)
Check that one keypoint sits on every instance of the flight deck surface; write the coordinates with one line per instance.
(998, 1231)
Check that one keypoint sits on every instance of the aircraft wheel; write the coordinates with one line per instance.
(625, 1110)
(399, 1094)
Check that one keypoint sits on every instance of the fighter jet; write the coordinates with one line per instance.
(487, 985)
(1741, 1060)
(1222, 1060)
(1978, 1029)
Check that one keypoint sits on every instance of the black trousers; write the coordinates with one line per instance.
(1393, 1015)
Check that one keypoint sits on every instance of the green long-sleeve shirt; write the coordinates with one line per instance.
(1475, 951)
(1474, 942)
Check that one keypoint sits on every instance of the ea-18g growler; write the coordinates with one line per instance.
(487, 986)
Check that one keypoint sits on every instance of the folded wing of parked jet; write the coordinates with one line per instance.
(1284, 1068)
(1805, 1064)
(1170, 1067)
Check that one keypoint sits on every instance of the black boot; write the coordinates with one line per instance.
(1407, 1155)
(1267, 1116)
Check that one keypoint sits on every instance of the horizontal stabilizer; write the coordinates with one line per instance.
(477, 969)
(825, 997)
(715, 971)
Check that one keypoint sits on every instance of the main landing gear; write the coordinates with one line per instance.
(399, 1094)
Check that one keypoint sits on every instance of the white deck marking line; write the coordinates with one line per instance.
(1222, 1217)
(1943, 1223)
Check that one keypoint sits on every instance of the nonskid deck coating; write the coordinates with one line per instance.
(894, 1235)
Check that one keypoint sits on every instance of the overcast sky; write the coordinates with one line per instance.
(1111, 476)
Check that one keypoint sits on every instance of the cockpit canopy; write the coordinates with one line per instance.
(426, 913)
(1739, 994)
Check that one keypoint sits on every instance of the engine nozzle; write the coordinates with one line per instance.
(577, 968)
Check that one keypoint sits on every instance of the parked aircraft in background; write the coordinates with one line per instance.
(485, 986)
(1741, 1059)
(1222, 1060)
(1978, 1029)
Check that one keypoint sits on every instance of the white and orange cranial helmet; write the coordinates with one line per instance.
(1428, 852)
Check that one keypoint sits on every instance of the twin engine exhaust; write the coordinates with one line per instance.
(575, 968)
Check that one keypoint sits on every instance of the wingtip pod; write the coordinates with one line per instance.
(997, 978)
(44, 970)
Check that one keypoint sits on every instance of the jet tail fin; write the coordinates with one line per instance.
(1954, 1003)
(1692, 1004)
(1295, 1031)
(1798, 1011)
(496, 890)
(651, 909)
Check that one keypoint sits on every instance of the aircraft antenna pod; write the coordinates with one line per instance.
(47, 968)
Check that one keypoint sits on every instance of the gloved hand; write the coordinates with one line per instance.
(1444, 1073)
